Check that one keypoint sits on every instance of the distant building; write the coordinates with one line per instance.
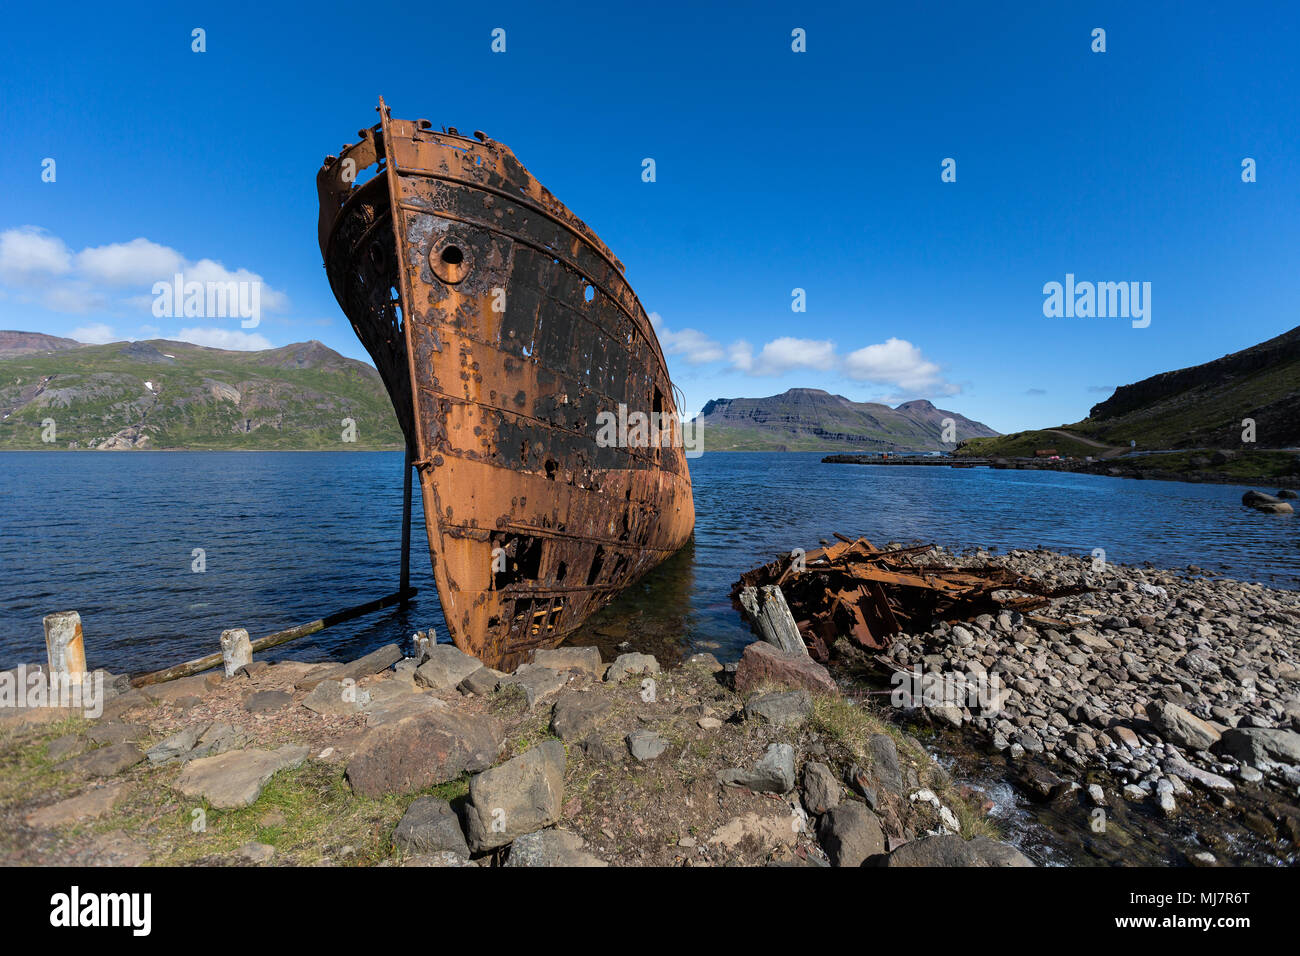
(1045, 453)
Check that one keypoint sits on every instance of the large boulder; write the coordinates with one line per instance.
(781, 708)
(1268, 503)
(551, 848)
(821, 791)
(1180, 727)
(422, 750)
(1260, 745)
(762, 663)
(446, 667)
(578, 713)
(518, 797)
(430, 825)
(585, 659)
(103, 762)
(850, 834)
(236, 778)
(951, 850)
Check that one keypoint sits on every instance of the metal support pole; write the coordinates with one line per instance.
(406, 527)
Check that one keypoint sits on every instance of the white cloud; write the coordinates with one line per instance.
(786, 354)
(693, 346)
(894, 362)
(97, 333)
(225, 339)
(895, 365)
(118, 276)
(29, 254)
(138, 262)
(741, 354)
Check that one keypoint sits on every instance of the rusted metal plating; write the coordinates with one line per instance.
(852, 589)
(502, 327)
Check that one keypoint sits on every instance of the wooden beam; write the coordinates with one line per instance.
(202, 664)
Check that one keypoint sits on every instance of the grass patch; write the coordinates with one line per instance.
(853, 725)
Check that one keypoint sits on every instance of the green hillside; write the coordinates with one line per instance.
(160, 394)
(1201, 407)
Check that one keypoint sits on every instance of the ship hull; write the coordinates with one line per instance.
(508, 339)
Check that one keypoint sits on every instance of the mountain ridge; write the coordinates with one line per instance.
(812, 419)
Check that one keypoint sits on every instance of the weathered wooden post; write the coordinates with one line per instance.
(767, 611)
(65, 646)
(236, 650)
(423, 640)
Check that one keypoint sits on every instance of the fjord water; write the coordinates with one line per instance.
(288, 537)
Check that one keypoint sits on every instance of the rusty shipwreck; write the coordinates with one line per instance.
(503, 328)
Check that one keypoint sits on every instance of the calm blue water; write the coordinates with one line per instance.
(289, 537)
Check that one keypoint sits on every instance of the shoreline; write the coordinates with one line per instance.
(1106, 468)
(1167, 713)
(1156, 725)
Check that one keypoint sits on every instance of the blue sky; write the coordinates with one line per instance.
(775, 170)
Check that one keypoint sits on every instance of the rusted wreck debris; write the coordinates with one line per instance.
(858, 591)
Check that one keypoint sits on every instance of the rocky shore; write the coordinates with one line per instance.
(435, 760)
(1169, 697)
(1152, 719)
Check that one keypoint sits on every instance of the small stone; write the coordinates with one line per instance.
(88, 806)
(774, 772)
(421, 750)
(708, 723)
(707, 661)
(763, 663)
(64, 747)
(235, 779)
(175, 746)
(538, 682)
(266, 701)
(256, 852)
(113, 732)
(628, 665)
(646, 745)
